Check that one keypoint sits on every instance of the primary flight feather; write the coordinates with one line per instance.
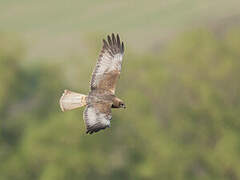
(101, 98)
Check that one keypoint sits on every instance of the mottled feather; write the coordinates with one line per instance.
(97, 116)
(108, 67)
(101, 98)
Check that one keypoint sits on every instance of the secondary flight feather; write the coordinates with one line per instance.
(101, 97)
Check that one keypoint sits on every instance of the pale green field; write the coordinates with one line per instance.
(58, 28)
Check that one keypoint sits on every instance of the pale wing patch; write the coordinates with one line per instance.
(105, 65)
(116, 63)
(97, 117)
(109, 62)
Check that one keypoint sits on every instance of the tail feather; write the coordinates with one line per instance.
(72, 100)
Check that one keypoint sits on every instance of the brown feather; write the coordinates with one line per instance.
(101, 98)
(97, 116)
(108, 66)
(109, 81)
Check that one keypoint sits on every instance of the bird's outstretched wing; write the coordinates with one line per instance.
(108, 67)
(97, 116)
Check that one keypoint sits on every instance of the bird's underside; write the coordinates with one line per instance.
(101, 98)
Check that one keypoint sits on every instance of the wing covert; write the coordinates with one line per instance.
(108, 67)
(97, 116)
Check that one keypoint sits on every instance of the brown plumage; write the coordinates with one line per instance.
(101, 98)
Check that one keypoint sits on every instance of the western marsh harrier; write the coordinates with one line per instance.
(101, 98)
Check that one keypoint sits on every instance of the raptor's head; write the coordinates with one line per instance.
(122, 105)
(118, 103)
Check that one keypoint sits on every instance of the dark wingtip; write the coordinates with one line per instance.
(113, 43)
(122, 47)
(113, 39)
(89, 132)
(109, 40)
(118, 41)
(105, 44)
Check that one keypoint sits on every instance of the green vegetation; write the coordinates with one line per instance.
(181, 122)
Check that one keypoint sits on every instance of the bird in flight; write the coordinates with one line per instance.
(101, 97)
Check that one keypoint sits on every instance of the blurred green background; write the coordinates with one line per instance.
(180, 82)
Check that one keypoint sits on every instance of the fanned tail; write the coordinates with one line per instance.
(72, 100)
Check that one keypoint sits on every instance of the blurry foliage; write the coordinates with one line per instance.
(181, 121)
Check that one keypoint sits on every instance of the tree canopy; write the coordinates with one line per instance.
(181, 122)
